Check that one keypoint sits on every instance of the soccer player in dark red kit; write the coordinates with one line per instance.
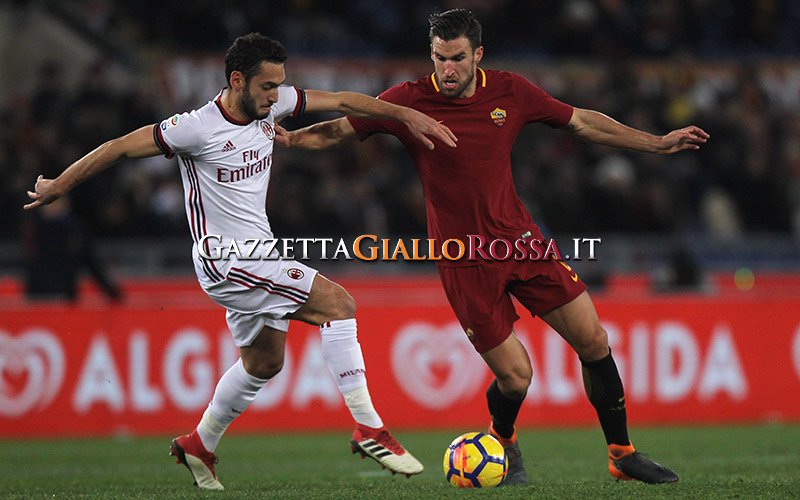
(469, 190)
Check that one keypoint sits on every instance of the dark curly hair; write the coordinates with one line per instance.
(249, 51)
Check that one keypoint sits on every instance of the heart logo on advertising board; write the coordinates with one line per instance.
(31, 371)
(436, 366)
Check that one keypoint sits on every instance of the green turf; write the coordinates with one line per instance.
(713, 462)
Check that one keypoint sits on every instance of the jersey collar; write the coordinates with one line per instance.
(438, 90)
(225, 114)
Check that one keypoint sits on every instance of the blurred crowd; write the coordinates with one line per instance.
(399, 27)
(746, 179)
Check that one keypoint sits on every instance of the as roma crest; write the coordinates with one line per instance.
(499, 117)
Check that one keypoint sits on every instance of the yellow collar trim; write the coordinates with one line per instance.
(436, 85)
(433, 81)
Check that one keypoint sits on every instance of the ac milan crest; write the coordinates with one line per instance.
(295, 274)
(268, 130)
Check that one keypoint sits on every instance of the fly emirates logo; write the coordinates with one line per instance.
(252, 165)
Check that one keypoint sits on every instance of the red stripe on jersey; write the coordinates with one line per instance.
(197, 223)
(300, 107)
(271, 292)
(192, 219)
(271, 286)
(161, 143)
(302, 292)
(203, 218)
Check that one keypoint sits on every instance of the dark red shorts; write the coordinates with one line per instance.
(481, 295)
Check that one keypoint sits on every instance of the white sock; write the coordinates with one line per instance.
(342, 354)
(360, 404)
(234, 393)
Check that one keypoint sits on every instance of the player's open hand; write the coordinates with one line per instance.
(423, 126)
(685, 138)
(42, 194)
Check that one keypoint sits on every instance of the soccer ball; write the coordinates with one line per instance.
(475, 460)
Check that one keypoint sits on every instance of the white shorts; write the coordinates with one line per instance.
(259, 293)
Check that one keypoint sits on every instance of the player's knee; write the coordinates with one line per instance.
(264, 367)
(594, 345)
(514, 385)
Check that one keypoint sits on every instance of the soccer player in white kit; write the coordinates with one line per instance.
(225, 156)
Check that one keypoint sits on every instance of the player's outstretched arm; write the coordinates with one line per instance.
(320, 135)
(598, 128)
(358, 105)
(137, 144)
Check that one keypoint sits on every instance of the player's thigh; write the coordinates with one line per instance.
(577, 322)
(259, 293)
(327, 301)
(481, 303)
(544, 285)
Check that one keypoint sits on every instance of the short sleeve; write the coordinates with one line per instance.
(538, 106)
(179, 134)
(365, 127)
(291, 102)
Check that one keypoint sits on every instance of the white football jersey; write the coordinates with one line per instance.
(225, 165)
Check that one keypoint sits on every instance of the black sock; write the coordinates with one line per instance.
(503, 410)
(604, 389)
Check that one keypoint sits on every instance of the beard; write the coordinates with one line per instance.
(249, 106)
(459, 89)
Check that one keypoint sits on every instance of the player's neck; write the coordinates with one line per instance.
(231, 106)
(470, 90)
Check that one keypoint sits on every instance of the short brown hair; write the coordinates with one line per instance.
(454, 24)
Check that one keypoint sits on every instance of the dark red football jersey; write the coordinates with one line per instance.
(469, 190)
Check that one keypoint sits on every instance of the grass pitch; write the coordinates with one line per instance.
(713, 462)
